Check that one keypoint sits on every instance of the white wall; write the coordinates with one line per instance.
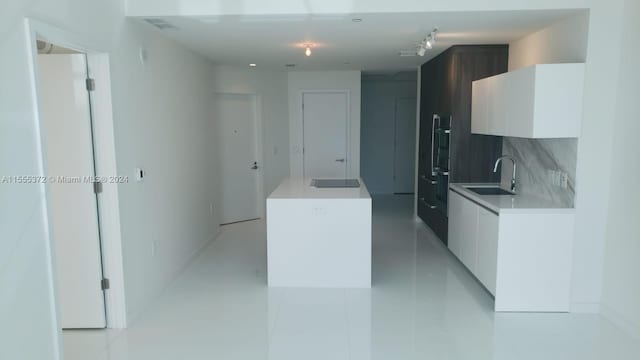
(163, 124)
(299, 81)
(272, 87)
(563, 42)
(160, 124)
(377, 133)
(568, 41)
(621, 293)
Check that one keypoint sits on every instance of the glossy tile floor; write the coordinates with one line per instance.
(423, 305)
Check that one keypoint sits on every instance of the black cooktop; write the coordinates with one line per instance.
(335, 183)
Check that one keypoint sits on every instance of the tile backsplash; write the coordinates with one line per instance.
(546, 167)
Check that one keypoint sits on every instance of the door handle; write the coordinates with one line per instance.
(340, 160)
(433, 139)
(425, 178)
(432, 207)
(255, 165)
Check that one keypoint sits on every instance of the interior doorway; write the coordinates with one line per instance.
(388, 131)
(68, 148)
(404, 145)
(325, 123)
(241, 165)
(98, 154)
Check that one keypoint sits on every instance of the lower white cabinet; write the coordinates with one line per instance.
(487, 245)
(456, 221)
(521, 256)
(473, 238)
(463, 232)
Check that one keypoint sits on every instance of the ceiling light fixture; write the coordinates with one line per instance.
(307, 51)
(252, 65)
(427, 43)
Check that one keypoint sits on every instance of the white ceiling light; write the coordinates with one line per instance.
(252, 65)
(427, 43)
(307, 51)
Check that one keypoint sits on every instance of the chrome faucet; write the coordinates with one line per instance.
(513, 177)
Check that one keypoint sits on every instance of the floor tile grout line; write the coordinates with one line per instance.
(276, 317)
(348, 321)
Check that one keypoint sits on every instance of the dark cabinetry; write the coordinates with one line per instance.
(448, 152)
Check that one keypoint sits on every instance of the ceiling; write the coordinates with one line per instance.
(372, 44)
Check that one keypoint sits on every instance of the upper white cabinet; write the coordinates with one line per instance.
(540, 101)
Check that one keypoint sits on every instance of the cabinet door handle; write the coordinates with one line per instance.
(432, 207)
(433, 139)
(425, 178)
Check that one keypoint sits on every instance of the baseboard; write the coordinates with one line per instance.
(133, 316)
(585, 308)
(620, 321)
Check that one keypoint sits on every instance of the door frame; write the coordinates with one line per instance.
(416, 168)
(395, 133)
(104, 160)
(347, 125)
(259, 141)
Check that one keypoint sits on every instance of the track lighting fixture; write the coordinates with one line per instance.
(427, 43)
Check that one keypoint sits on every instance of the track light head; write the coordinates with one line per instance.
(427, 43)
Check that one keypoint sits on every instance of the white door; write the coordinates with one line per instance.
(324, 119)
(404, 146)
(239, 163)
(73, 212)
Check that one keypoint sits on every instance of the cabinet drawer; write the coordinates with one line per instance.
(463, 222)
(487, 260)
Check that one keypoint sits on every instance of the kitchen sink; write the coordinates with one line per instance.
(489, 190)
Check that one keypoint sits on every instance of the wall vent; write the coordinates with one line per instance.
(407, 53)
(160, 23)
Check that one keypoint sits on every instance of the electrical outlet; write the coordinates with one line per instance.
(553, 176)
(558, 178)
(564, 179)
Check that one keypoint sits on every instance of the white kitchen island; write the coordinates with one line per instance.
(318, 237)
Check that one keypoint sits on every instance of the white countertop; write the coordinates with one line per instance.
(510, 203)
(299, 188)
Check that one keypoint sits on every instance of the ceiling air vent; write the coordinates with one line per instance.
(161, 24)
(407, 53)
